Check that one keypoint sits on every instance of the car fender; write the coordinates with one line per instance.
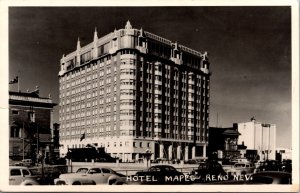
(29, 182)
(114, 179)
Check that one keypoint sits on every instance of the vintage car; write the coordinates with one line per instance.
(47, 174)
(20, 175)
(286, 166)
(159, 174)
(25, 162)
(267, 177)
(270, 177)
(241, 169)
(268, 165)
(91, 176)
(206, 170)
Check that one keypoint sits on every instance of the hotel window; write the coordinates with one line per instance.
(108, 90)
(108, 80)
(108, 70)
(85, 57)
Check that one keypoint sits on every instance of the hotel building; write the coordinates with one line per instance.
(132, 91)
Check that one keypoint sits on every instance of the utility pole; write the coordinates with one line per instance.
(217, 119)
(23, 135)
(37, 144)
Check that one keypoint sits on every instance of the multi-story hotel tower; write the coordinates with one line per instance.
(132, 91)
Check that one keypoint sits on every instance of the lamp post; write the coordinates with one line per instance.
(23, 145)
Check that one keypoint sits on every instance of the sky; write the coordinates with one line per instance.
(249, 52)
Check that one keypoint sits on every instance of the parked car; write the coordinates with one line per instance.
(268, 165)
(286, 166)
(91, 176)
(159, 174)
(241, 169)
(20, 175)
(267, 177)
(47, 174)
(25, 162)
(270, 177)
(208, 169)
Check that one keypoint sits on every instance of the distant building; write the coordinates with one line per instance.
(223, 143)
(284, 154)
(259, 136)
(30, 125)
(132, 91)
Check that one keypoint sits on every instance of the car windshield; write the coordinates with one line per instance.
(26, 172)
(202, 166)
(82, 170)
(15, 172)
(239, 165)
(105, 170)
(94, 171)
(170, 169)
(155, 169)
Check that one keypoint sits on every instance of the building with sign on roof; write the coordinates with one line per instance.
(259, 136)
(30, 125)
(131, 91)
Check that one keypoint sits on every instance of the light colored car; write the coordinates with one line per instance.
(20, 175)
(91, 176)
(25, 162)
(241, 168)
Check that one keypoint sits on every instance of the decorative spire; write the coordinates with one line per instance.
(95, 35)
(205, 56)
(141, 32)
(128, 25)
(78, 44)
(115, 34)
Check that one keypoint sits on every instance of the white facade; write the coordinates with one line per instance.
(132, 91)
(259, 136)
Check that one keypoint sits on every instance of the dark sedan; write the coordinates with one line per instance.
(160, 174)
(209, 170)
(266, 177)
(270, 177)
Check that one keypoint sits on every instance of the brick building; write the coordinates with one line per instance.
(30, 125)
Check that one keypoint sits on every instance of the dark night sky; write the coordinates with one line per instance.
(249, 50)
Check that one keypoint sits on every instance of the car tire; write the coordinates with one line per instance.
(76, 183)
(112, 182)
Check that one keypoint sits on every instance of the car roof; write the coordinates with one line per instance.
(18, 167)
(91, 167)
(162, 166)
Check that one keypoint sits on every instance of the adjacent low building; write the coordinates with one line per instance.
(30, 125)
(223, 143)
(132, 92)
